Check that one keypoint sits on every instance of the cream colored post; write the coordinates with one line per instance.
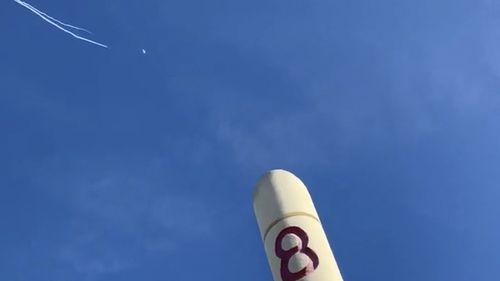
(295, 243)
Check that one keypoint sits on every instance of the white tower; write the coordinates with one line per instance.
(295, 243)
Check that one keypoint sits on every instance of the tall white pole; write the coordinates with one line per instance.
(294, 240)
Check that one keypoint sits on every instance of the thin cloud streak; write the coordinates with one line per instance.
(55, 23)
(52, 18)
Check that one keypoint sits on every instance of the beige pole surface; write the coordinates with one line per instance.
(295, 243)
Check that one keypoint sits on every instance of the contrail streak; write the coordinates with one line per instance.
(51, 18)
(58, 23)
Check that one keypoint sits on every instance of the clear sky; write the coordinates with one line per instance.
(120, 165)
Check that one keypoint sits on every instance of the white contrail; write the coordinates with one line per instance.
(56, 23)
(51, 18)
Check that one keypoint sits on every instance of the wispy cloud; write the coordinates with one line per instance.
(122, 214)
(59, 24)
(409, 91)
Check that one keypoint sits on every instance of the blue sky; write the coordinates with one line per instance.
(116, 165)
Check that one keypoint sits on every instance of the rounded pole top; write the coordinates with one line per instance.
(279, 194)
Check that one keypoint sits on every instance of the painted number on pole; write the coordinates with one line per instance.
(286, 255)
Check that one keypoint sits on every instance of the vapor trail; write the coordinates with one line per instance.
(51, 18)
(58, 23)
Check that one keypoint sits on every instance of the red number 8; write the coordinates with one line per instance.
(286, 255)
